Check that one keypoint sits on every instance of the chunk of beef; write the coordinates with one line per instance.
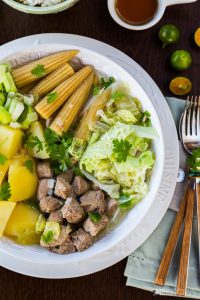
(63, 237)
(66, 248)
(62, 188)
(80, 186)
(72, 211)
(56, 216)
(44, 169)
(49, 204)
(95, 187)
(111, 207)
(81, 239)
(94, 228)
(43, 188)
(67, 175)
(93, 201)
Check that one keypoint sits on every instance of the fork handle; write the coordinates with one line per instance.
(185, 249)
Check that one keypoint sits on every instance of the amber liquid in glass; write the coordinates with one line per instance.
(136, 12)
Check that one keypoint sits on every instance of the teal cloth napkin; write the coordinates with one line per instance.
(142, 265)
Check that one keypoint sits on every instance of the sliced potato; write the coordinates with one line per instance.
(6, 209)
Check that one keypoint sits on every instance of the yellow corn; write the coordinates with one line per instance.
(40, 67)
(27, 88)
(52, 80)
(62, 92)
(90, 116)
(69, 112)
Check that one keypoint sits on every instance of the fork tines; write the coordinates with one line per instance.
(191, 117)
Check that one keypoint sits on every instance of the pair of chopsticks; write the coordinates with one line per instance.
(185, 213)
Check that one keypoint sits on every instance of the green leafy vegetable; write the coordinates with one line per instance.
(105, 83)
(5, 192)
(48, 237)
(29, 164)
(146, 119)
(118, 95)
(95, 217)
(51, 97)
(34, 141)
(121, 149)
(194, 160)
(3, 159)
(39, 71)
(77, 171)
(96, 90)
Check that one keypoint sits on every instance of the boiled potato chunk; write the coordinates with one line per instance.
(21, 225)
(36, 129)
(10, 140)
(23, 182)
(6, 209)
(3, 170)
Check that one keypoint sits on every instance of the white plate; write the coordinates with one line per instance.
(140, 221)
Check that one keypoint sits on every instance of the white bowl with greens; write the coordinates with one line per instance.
(51, 6)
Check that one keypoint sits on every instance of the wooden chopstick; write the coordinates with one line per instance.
(185, 249)
(171, 244)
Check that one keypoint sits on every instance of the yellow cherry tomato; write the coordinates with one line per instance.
(180, 86)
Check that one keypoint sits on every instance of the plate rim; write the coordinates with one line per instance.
(125, 62)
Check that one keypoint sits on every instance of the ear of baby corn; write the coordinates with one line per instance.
(40, 67)
(69, 112)
(90, 116)
(52, 80)
(52, 101)
(27, 88)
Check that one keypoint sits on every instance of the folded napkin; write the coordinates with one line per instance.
(142, 265)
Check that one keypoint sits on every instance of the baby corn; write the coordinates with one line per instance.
(68, 113)
(58, 96)
(90, 116)
(41, 67)
(52, 80)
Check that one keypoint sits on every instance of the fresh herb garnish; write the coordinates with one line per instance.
(194, 160)
(51, 97)
(95, 217)
(5, 192)
(39, 71)
(96, 90)
(121, 149)
(3, 159)
(48, 237)
(34, 141)
(146, 119)
(117, 95)
(107, 82)
(77, 171)
(33, 204)
(29, 164)
(57, 148)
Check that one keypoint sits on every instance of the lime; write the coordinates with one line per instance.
(169, 34)
(180, 60)
(197, 37)
(180, 86)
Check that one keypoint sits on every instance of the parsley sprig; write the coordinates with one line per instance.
(5, 191)
(121, 149)
(94, 216)
(51, 97)
(39, 71)
(104, 83)
(33, 141)
(3, 159)
(29, 165)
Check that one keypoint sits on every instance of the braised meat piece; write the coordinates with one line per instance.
(94, 228)
(67, 175)
(72, 211)
(66, 248)
(62, 189)
(44, 169)
(43, 188)
(81, 239)
(111, 207)
(63, 237)
(49, 204)
(80, 186)
(93, 201)
(56, 216)
(95, 187)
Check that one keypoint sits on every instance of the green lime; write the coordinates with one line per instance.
(169, 34)
(180, 60)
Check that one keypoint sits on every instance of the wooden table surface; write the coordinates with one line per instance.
(91, 18)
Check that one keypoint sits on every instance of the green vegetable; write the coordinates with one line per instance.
(27, 117)
(34, 142)
(194, 160)
(2, 98)
(5, 192)
(5, 117)
(169, 34)
(105, 83)
(6, 79)
(3, 159)
(96, 90)
(51, 97)
(51, 232)
(95, 217)
(29, 164)
(180, 60)
(40, 226)
(39, 71)
(121, 149)
(34, 204)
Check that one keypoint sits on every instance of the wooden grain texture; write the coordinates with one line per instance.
(91, 18)
(171, 244)
(186, 242)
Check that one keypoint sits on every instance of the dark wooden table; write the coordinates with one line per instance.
(91, 18)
